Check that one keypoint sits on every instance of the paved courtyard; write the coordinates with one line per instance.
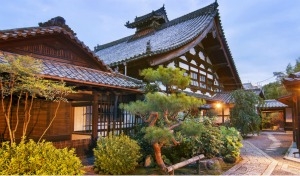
(264, 155)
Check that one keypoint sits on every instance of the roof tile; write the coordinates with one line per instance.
(272, 104)
(168, 36)
(83, 74)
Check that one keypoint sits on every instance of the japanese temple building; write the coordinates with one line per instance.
(194, 42)
(93, 110)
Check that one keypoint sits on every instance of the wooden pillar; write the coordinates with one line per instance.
(293, 119)
(116, 106)
(223, 115)
(95, 116)
(115, 111)
(297, 124)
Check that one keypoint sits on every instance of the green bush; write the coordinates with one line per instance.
(186, 149)
(232, 142)
(146, 147)
(210, 141)
(200, 137)
(31, 158)
(116, 154)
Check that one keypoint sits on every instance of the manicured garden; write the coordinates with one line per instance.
(173, 132)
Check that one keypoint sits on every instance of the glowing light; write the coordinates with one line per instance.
(218, 105)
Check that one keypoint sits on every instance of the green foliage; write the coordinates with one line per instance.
(243, 115)
(116, 154)
(265, 121)
(161, 110)
(210, 142)
(138, 136)
(31, 158)
(232, 143)
(159, 102)
(274, 90)
(272, 119)
(186, 149)
(20, 77)
(202, 137)
(151, 87)
(155, 134)
(172, 78)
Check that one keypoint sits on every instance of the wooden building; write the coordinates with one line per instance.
(292, 84)
(275, 115)
(194, 42)
(94, 109)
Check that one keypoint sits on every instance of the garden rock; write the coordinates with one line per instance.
(149, 161)
(210, 164)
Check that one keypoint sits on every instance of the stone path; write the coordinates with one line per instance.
(275, 143)
(259, 162)
(255, 162)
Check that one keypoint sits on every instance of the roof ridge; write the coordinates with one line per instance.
(209, 8)
(190, 15)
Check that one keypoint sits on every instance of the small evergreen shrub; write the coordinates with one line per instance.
(42, 158)
(199, 137)
(232, 142)
(116, 154)
(183, 151)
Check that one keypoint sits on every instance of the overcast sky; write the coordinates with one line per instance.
(263, 35)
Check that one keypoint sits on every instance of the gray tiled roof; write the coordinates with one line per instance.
(168, 36)
(224, 97)
(78, 74)
(197, 95)
(269, 104)
(293, 77)
(88, 75)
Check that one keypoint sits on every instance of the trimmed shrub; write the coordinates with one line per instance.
(116, 154)
(232, 142)
(196, 136)
(42, 158)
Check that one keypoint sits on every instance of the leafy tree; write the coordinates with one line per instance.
(20, 80)
(289, 69)
(243, 115)
(274, 90)
(297, 66)
(161, 110)
(171, 78)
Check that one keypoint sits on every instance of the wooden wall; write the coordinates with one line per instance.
(42, 113)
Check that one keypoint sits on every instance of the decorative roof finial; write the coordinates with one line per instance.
(57, 21)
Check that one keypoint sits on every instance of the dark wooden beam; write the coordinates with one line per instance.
(95, 116)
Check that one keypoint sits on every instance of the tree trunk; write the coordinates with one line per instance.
(158, 157)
